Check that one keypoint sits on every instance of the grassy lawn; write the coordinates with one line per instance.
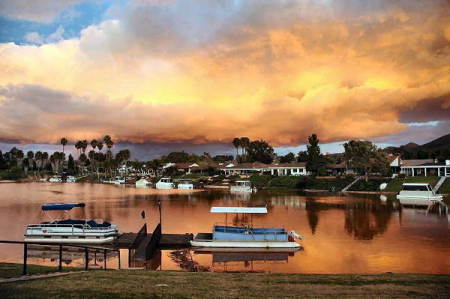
(8, 270)
(395, 185)
(145, 284)
(445, 188)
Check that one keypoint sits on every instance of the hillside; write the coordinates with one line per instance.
(438, 148)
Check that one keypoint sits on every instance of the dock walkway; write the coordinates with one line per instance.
(125, 240)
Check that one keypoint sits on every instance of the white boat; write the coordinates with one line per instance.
(119, 180)
(185, 185)
(70, 231)
(242, 186)
(71, 179)
(165, 183)
(142, 183)
(420, 194)
(55, 179)
(224, 236)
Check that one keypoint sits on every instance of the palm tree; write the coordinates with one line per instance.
(44, 159)
(94, 143)
(108, 141)
(237, 143)
(245, 143)
(63, 142)
(30, 156)
(38, 159)
(100, 146)
(84, 145)
(78, 146)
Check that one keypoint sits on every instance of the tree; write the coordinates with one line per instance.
(108, 141)
(71, 168)
(260, 151)
(84, 145)
(314, 162)
(3, 164)
(100, 146)
(245, 143)
(237, 144)
(94, 143)
(302, 156)
(78, 146)
(63, 142)
(365, 157)
(288, 158)
(30, 158)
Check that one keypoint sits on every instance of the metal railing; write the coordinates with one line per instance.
(61, 245)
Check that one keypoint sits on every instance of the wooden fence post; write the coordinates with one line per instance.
(60, 258)
(118, 252)
(25, 256)
(104, 258)
(86, 258)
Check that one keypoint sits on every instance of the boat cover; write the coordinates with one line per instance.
(62, 206)
(241, 210)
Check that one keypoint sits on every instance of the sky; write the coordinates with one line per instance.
(167, 73)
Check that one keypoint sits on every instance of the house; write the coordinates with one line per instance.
(288, 169)
(245, 169)
(394, 162)
(425, 167)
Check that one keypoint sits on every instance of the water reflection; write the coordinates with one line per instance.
(343, 234)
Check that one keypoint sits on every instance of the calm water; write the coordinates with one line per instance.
(355, 234)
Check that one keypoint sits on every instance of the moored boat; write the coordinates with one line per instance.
(420, 194)
(242, 186)
(224, 236)
(55, 179)
(185, 185)
(70, 231)
(165, 183)
(142, 183)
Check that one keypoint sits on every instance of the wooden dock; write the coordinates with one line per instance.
(126, 240)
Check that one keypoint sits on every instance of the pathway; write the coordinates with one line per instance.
(351, 184)
(439, 184)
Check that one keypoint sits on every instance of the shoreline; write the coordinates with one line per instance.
(145, 283)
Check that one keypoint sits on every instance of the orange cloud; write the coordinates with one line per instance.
(339, 73)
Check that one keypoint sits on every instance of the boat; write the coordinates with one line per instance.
(71, 179)
(69, 230)
(224, 236)
(55, 179)
(420, 194)
(185, 185)
(142, 183)
(119, 180)
(165, 183)
(242, 186)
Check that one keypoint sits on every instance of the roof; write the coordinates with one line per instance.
(415, 184)
(242, 210)
(287, 165)
(247, 166)
(415, 162)
(61, 206)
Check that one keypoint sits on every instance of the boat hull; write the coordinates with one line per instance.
(417, 200)
(244, 244)
(57, 240)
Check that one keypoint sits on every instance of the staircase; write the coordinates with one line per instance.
(351, 184)
(439, 184)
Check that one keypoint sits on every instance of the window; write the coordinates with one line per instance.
(415, 188)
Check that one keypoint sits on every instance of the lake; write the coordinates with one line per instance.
(342, 234)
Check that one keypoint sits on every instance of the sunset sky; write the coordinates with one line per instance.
(203, 72)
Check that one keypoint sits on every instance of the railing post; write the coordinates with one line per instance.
(86, 258)
(104, 259)
(118, 252)
(25, 256)
(60, 258)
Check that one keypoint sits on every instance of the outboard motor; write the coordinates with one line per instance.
(292, 234)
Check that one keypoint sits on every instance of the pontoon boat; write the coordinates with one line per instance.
(420, 194)
(224, 236)
(242, 186)
(70, 231)
(165, 183)
(185, 185)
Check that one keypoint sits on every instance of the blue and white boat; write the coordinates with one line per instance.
(69, 230)
(224, 236)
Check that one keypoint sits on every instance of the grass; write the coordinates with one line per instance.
(9, 270)
(445, 188)
(174, 284)
(395, 185)
(370, 185)
(299, 182)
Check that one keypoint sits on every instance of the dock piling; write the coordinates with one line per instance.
(60, 259)
(25, 256)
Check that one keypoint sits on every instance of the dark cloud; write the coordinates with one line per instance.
(433, 109)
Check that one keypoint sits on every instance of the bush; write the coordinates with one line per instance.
(260, 181)
(12, 174)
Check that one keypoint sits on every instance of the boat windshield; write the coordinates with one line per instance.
(415, 188)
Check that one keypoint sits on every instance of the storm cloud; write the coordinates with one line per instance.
(208, 71)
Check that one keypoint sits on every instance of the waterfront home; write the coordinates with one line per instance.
(245, 169)
(340, 169)
(425, 167)
(295, 169)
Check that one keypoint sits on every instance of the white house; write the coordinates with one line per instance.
(288, 169)
(425, 167)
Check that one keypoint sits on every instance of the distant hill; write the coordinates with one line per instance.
(436, 149)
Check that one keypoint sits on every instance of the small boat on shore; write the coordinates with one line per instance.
(224, 236)
(119, 180)
(141, 183)
(70, 231)
(418, 194)
(165, 183)
(242, 186)
(185, 185)
(55, 179)
(71, 179)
